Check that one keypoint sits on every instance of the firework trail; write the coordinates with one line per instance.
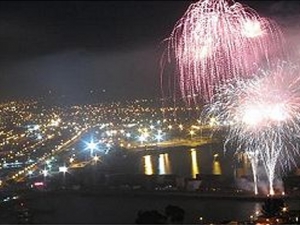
(216, 40)
(263, 117)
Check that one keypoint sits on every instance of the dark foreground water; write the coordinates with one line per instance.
(116, 208)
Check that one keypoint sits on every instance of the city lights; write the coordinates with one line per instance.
(45, 173)
(92, 146)
(159, 137)
(63, 169)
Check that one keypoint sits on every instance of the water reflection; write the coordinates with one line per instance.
(161, 164)
(164, 164)
(216, 166)
(148, 165)
(168, 164)
(195, 168)
(184, 162)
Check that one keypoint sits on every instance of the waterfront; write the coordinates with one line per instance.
(101, 202)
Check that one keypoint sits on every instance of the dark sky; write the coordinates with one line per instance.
(80, 49)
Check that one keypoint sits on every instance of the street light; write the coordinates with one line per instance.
(158, 137)
(45, 172)
(192, 133)
(215, 156)
(142, 138)
(96, 159)
(92, 146)
(63, 169)
(71, 160)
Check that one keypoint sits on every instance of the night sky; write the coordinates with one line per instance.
(84, 50)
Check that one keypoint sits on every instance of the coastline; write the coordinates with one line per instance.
(179, 194)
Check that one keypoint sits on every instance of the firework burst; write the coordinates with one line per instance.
(263, 115)
(217, 40)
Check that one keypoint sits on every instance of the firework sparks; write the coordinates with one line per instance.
(264, 114)
(217, 40)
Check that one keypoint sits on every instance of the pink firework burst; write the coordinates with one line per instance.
(217, 40)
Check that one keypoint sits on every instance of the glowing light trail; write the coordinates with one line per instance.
(264, 117)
